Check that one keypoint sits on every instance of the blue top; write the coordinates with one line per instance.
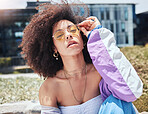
(91, 106)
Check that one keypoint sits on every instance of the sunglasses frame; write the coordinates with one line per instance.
(68, 28)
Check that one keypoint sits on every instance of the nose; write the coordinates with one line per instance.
(68, 35)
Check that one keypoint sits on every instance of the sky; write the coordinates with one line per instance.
(141, 5)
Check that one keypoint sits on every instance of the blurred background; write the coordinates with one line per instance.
(127, 19)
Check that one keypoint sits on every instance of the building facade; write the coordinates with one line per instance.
(12, 23)
(141, 31)
(119, 18)
(116, 17)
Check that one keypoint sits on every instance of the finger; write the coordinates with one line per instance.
(85, 23)
(92, 18)
(92, 27)
(86, 27)
(85, 32)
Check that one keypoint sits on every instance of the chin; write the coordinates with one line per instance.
(74, 52)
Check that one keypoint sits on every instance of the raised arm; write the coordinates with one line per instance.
(118, 75)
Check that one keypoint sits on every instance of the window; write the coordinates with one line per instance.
(107, 14)
(106, 25)
(112, 27)
(18, 24)
(119, 13)
(95, 12)
(18, 34)
(122, 39)
(115, 13)
(8, 33)
(26, 23)
(117, 39)
(123, 27)
(125, 14)
(102, 13)
(117, 27)
(126, 38)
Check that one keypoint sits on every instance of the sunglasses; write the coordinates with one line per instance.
(60, 34)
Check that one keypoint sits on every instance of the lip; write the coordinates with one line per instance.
(71, 43)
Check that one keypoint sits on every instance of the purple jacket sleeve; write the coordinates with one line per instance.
(118, 75)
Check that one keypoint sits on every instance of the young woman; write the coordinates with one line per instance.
(86, 73)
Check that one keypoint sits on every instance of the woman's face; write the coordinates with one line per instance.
(67, 38)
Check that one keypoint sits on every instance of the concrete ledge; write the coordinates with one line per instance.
(23, 107)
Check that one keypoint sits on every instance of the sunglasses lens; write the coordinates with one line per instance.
(59, 35)
(73, 29)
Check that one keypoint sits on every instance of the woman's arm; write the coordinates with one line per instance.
(118, 75)
(47, 98)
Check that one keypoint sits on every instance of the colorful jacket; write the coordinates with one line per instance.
(119, 78)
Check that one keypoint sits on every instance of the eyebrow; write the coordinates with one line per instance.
(66, 27)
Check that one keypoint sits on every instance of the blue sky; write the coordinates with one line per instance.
(141, 5)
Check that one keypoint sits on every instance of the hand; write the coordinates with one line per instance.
(89, 24)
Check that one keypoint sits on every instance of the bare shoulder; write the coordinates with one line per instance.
(47, 93)
(92, 69)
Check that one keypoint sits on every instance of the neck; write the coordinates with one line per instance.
(74, 64)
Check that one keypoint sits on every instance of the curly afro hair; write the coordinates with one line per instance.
(37, 43)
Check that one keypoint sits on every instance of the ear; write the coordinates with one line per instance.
(54, 49)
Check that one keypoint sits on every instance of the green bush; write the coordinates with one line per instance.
(24, 70)
(16, 71)
(5, 62)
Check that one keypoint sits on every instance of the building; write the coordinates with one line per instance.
(12, 23)
(119, 18)
(141, 34)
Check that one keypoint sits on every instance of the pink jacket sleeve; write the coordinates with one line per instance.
(119, 78)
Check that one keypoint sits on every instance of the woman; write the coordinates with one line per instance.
(81, 76)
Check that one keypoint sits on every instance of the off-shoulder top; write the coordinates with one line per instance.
(91, 106)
